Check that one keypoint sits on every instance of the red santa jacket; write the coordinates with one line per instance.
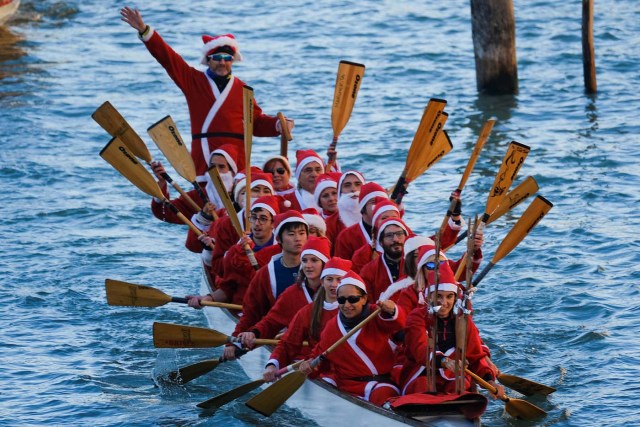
(334, 227)
(238, 271)
(377, 276)
(216, 117)
(225, 237)
(259, 298)
(363, 256)
(350, 240)
(290, 348)
(367, 353)
(164, 213)
(418, 327)
(288, 304)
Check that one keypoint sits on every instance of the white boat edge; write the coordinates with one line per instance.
(7, 11)
(344, 410)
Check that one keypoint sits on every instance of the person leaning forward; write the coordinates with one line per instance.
(214, 96)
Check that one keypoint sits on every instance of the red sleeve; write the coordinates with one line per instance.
(279, 316)
(225, 236)
(368, 275)
(256, 302)
(290, 346)
(389, 324)
(476, 352)
(341, 248)
(176, 67)
(407, 299)
(363, 256)
(415, 336)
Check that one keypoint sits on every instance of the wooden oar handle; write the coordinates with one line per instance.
(284, 128)
(186, 221)
(252, 257)
(175, 185)
(221, 305)
(484, 384)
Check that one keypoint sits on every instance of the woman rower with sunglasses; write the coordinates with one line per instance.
(309, 322)
(419, 328)
(362, 366)
(280, 170)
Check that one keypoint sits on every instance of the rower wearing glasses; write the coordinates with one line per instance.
(361, 366)
(314, 255)
(214, 96)
(238, 271)
(280, 170)
(418, 329)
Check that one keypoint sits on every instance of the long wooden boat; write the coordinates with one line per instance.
(7, 9)
(323, 403)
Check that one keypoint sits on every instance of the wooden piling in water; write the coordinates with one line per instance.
(588, 52)
(494, 45)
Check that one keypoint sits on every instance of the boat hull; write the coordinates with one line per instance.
(7, 9)
(313, 397)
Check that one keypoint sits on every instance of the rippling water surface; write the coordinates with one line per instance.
(562, 309)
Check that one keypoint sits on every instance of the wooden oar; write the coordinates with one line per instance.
(231, 212)
(274, 396)
(525, 386)
(524, 190)
(168, 335)
(420, 146)
(515, 407)
(484, 134)
(132, 295)
(529, 219)
(166, 136)
(511, 163)
(348, 82)
(112, 121)
(190, 372)
(247, 110)
(118, 155)
(285, 135)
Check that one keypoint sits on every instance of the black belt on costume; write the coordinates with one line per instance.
(385, 378)
(217, 135)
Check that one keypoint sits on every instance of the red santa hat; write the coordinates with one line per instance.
(269, 203)
(447, 277)
(415, 241)
(383, 205)
(352, 278)
(347, 173)
(304, 157)
(317, 246)
(314, 219)
(282, 159)
(257, 178)
(336, 266)
(290, 216)
(368, 191)
(230, 154)
(214, 43)
(324, 181)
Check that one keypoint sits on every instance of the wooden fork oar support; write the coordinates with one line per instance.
(348, 82)
(112, 121)
(132, 295)
(285, 135)
(515, 407)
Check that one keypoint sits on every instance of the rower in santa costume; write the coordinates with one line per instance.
(214, 96)
(419, 327)
(309, 165)
(325, 194)
(309, 321)
(362, 365)
(348, 214)
(270, 281)
(314, 255)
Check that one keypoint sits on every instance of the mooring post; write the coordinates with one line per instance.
(588, 53)
(493, 29)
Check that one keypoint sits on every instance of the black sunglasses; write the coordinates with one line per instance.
(280, 171)
(351, 298)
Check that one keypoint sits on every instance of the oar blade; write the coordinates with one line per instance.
(118, 155)
(348, 82)
(524, 385)
(525, 189)
(191, 372)
(224, 398)
(424, 136)
(168, 335)
(524, 410)
(529, 219)
(166, 136)
(108, 117)
(132, 295)
(273, 397)
(509, 168)
(441, 147)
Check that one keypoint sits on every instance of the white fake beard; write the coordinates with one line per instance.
(227, 180)
(348, 209)
(244, 199)
(308, 201)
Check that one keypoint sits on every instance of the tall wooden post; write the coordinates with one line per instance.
(494, 45)
(588, 55)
